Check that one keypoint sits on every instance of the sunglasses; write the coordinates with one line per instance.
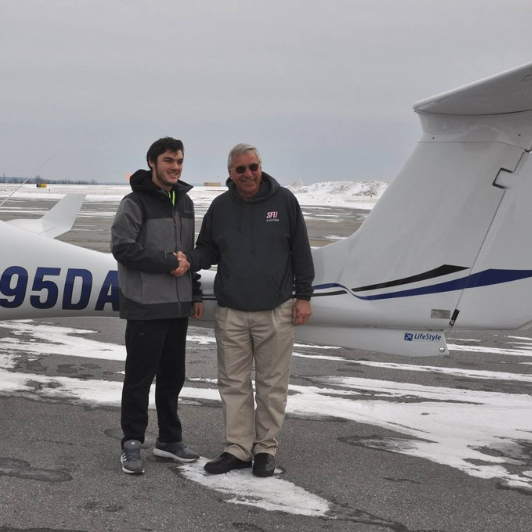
(241, 169)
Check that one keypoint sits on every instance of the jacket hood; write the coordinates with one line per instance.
(268, 187)
(141, 181)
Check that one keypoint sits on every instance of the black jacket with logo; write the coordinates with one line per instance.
(261, 248)
(147, 230)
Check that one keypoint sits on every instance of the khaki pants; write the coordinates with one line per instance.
(266, 338)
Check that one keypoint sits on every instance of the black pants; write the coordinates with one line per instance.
(155, 348)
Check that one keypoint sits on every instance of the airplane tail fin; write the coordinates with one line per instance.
(448, 244)
(57, 220)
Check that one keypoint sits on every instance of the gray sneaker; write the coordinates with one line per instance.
(130, 459)
(175, 451)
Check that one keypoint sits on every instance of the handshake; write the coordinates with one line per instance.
(184, 265)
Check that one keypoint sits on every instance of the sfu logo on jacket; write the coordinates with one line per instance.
(272, 216)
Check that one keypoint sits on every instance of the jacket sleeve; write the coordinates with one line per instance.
(302, 262)
(125, 230)
(197, 293)
(206, 252)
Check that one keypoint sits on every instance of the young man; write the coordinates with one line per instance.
(256, 234)
(152, 224)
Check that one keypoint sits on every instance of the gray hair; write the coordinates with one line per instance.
(240, 149)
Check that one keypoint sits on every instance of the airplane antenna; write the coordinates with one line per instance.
(23, 182)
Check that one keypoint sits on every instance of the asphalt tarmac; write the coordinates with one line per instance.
(59, 456)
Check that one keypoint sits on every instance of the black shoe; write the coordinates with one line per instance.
(224, 463)
(264, 465)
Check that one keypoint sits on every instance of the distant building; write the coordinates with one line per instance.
(212, 184)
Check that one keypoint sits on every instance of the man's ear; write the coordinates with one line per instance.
(151, 164)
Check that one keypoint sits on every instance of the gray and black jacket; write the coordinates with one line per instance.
(261, 248)
(147, 230)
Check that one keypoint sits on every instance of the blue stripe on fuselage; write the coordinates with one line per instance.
(485, 278)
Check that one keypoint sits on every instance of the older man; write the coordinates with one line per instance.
(256, 234)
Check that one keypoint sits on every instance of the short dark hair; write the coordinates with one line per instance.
(162, 145)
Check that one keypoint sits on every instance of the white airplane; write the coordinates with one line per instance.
(446, 247)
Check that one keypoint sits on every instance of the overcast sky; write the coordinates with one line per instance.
(323, 88)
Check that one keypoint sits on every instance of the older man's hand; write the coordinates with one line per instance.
(301, 311)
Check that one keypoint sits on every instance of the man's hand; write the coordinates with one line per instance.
(184, 265)
(301, 311)
(197, 310)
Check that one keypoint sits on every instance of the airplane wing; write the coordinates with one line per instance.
(56, 221)
(505, 93)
